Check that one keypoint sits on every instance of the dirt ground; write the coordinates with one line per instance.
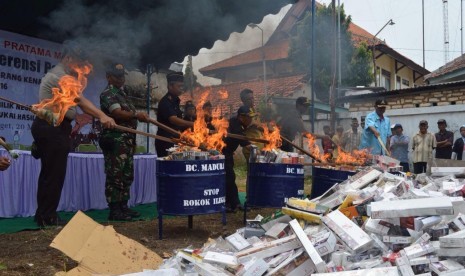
(28, 252)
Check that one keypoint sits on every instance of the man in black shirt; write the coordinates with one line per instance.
(169, 112)
(445, 140)
(237, 125)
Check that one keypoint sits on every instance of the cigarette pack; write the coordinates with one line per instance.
(254, 268)
(304, 269)
(363, 178)
(238, 241)
(279, 258)
(385, 271)
(378, 226)
(450, 252)
(220, 258)
(424, 260)
(411, 207)
(348, 232)
(424, 238)
(319, 264)
(417, 250)
(458, 223)
(307, 205)
(437, 231)
(398, 239)
(277, 231)
(421, 223)
(210, 270)
(404, 266)
(302, 215)
(324, 243)
(282, 218)
(379, 243)
(456, 239)
(446, 266)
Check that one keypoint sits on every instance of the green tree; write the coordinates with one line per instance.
(355, 62)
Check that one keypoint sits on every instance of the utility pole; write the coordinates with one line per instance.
(445, 17)
(332, 100)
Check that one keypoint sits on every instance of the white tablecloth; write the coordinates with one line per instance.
(84, 186)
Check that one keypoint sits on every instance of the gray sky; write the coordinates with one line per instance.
(405, 36)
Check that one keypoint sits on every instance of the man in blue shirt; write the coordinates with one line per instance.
(399, 146)
(376, 125)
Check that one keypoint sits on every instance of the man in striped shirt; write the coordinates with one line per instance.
(351, 138)
(423, 144)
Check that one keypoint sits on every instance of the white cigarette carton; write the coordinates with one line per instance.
(458, 223)
(417, 250)
(319, 264)
(384, 271)
(324, 243)
(348, 232)
(220, 258)
(456, 239)
(398, 239)
(207, 269)
(305, 269)
(378, 226)
(445, 266)
(254, 268)
(421, 223)
(277, 231)
(364, 178)
(404, 266)
(424, 260)
(411, 208)
(238, 241)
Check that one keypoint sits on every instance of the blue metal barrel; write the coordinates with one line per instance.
(324, 178)
(270, 185)
(190, 187)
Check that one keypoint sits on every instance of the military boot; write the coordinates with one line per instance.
(116, 213)
(127, 211)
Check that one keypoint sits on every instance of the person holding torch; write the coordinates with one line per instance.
(52, 142)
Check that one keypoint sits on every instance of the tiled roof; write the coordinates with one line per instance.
(278, 87)
(359, 34)
(451, 66)
(277, 50)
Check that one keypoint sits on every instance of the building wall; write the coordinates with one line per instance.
(388, 63)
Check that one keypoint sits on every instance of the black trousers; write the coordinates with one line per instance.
(232, 196)
(419, 167)
(54, 144)
(161, 147)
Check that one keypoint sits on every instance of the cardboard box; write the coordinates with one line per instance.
(458, 223)
(417, 250)
(278, 230)
(100, 250)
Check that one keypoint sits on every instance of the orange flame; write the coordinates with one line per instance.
(315, 150)
(200, 133)
(356, 157)
(271, 134)
(68, 93)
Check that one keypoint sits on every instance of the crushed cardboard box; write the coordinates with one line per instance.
(99, 250)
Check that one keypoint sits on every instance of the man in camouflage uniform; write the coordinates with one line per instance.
(118, 147)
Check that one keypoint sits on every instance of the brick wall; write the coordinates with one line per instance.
(425, 99)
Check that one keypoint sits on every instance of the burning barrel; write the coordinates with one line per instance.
(271, 184)
(190, 187)
(325, 178)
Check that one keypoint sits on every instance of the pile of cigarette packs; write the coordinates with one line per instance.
(275, 156)
(374, 223)
(191, 153)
